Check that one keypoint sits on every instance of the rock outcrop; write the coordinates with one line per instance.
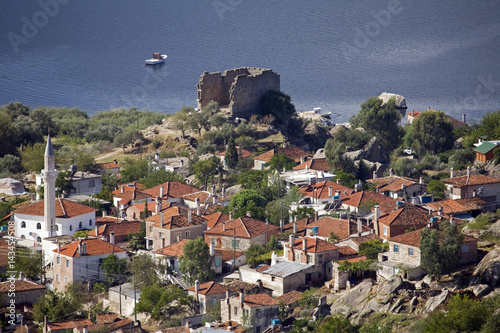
(488, 270)
(434, 302)
(387, 289)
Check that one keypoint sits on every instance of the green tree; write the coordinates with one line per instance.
(195, 262)
(362, 171)
(126, 138)
(7, 135)
(56, 305)
(431, 133)
(279, 105)
(380, 120)
(32, 157)
(280, 208)
(144, 268)
(181, 120)
(134, 169)
(29, 262)
(335, 156)
(336, 324)
(372, 248)
(64, 184)
(231, 157)
(346, 179)
(204, 170)
(252, 254)
(280, 162)
(114, 267)
(161, 301)
(10, 165)
(460, 158)
(217, 120)
(303, 212)
(242, 198)
(437, 188)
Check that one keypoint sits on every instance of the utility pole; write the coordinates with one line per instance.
(234, 247)
(135, 301)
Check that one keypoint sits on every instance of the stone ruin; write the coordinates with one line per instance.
(238, 91)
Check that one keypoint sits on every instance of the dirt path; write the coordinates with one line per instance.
(115, 152)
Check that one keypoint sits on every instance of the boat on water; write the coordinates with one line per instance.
(157, 59)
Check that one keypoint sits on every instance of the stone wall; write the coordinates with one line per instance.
(239, 89)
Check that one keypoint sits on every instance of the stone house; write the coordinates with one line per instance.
(256, 310)
(404, 253)
(173, 225)
(67, 326)
(399, 187)
(317, 164)
(340, 278)
(207, 295)
(404, 217)
(326, 227)
(126, 293)
(171, 191)
(109, 168)
(295, 153)
(84, 183)
(325, 192)
(457, 208)
(26, 292)
(215, 219)
(470, 186)
(123, 201)
(361, 202)
(81, 261)
(240, 233)
(238, 90)
(117, 232)
(298, 228)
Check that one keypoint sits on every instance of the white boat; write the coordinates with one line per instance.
(157, 59)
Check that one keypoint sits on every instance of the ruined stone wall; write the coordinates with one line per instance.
(239, 89)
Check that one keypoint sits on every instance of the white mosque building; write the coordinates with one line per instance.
(51, 217)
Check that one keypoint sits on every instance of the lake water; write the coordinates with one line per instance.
(330, 54)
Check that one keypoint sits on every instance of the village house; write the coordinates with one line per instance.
(399, 187)
(354, 243)
(242, 154)
(486, 151)
(207, 295)
(298, 228)
(404, 217)
(27, 292)
(325, 192)
(171, 191)
(128, 187)
(256, 310)
(340, 278)
(81, 261)
(75, 325)
(116, 233)
(404, 253)
(455, 122)
(124, 200)
(327, 227)
(240, 233)
(317, 164)
(290, 299)
(292, 152)
(215, 219)
(123, 298)
(109, 168)
(460, 208)
(107, 219)
(470, 186)
(173, 225)
(360, 203)
(84, 183)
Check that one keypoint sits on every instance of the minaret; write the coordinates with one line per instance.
(49, 174)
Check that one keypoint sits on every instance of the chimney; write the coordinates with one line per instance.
(188, 323)
(307, 167)
(421, 180)
(360, 227)
(58, 247)
(375, 220)
(304, 244)
(468, 172)
(358, 187)
(212, 250)
(451, 220)
(104, 213)
(122, 189)
(230, 216)
(301, 160)
(284, 144)
(330, 191)
(249, 213)
(190, 216)
(374, 175)
(282, 225)
(196, 289)
(452, 172)
(90, 316)
(223, 192)
(84, 248)
(162, 219)
(21, 276)
(45, 324)
(198, 208)
(315, 216)
(463, 118)
(214, 198)
(274, 258)
(391, 172)
(162, 191)
(158, 205)
(242, 299)
(224, 226)
(112, 237)
(295, 228)
(338, 181)
(440, 212)
(85, 329)
(213, 189)
(291, 240)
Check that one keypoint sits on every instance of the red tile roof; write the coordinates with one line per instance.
(204, 196)
(408, 215)
(342, 228)
(315, 245)
(381, 183)
(210, 288)
(128, 187)
(132, 195)
(293, 152)
(290, 297)
(228, 255)
(413, 238)
(301, 226)
(106, 318)
(119, 324)
(356, 199)
(109, 165)
(215, 218)
(347, 251)
(120, 229)
(362, 258)
(318, 164)
(473, 180)
(171, 190)
(243, 227)
(458, 206)
(241, 152)
(20, 285)
(108, 219)
(175, 217)
(362, 239)
(64, 209)
(70, 324)
(258, 300)
(94, 247)
(320, 190)
(174, 250)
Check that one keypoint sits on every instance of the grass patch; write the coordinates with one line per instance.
(482, 222)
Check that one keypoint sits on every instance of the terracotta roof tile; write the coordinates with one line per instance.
(315, 245)
(318, 164)
(173, 250)
(106, 318)
(240, 286)
(241, 152)
(177, 329)
(396, 184)
(211, 288)
(21, 285)
(290, 297)
(258, 300)
(246, 227)
(128, 187)
(70, 324)
(109, 165)
(204, 196)
(108, 220)
(386, 181)
(94, 247)
(362, 239)
(228, 255)
(171, 190)
(175, 217)
(340, 227)
(347, 251)
(320, 190)
(408, 215)
(301, 226)
(473, 180)
(356, 199)
(457, 206)
(119, 324)
(64, 209)
(362, 258)
(413, 238)
(293, 152)
(215, 218)
(120, 229)
(132, 195)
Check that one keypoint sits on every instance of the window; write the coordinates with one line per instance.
(177, 236)
(90, 222)
(298, 257)
(58, 260)
(39, 226)
(235, 310)
(67, 263)
(70, 227)
(150, 229)
(39, 239)
(410, 251)
(385, 231)
(23, 224)
(188, 234)
(309, 258)
(465, 249)
(80, 225)
(161, 235)
(273, 278)
(57, 227)
(65, 280)
(396, 248)
(217, 262)
(91, 182)
(235, 244)
(57, 277)
(213, 241)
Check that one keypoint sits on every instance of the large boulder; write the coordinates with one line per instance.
(434, 302)
(481, 290)
(352, 301)
(400, 101)
(488, 270)
(387, 289)
(375, 152)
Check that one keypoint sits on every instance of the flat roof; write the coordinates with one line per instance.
(286, 268)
